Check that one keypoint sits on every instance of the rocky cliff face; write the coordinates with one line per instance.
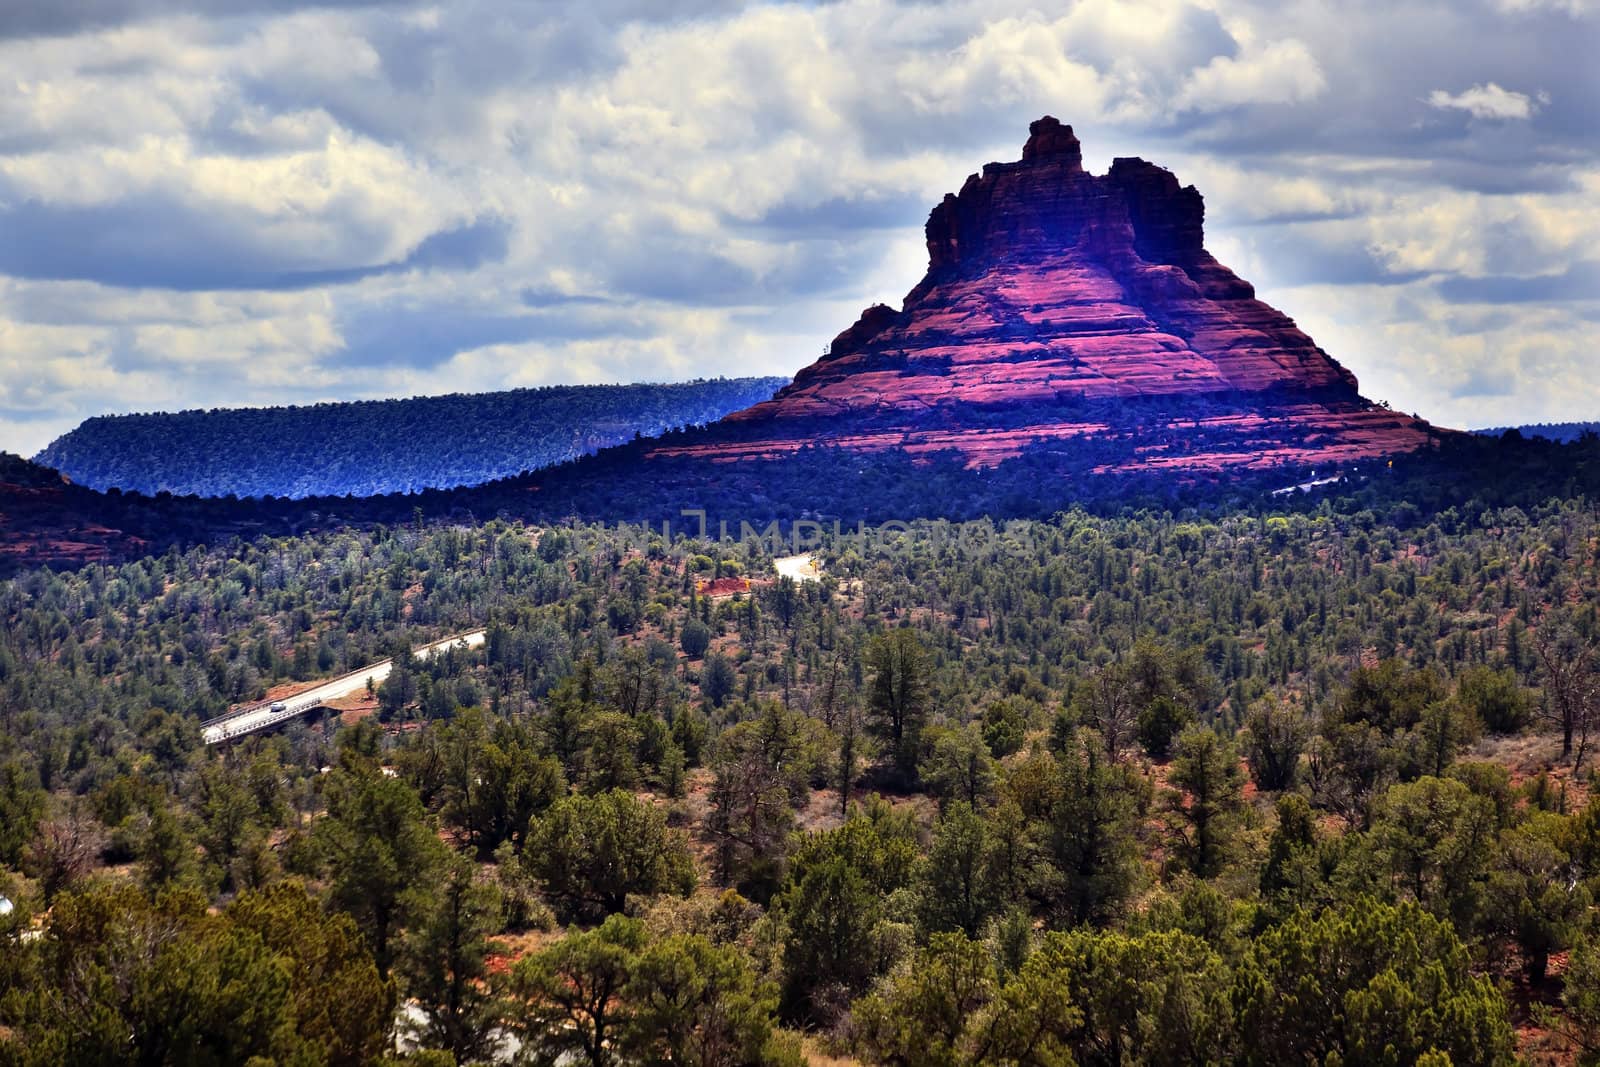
(1061, 304)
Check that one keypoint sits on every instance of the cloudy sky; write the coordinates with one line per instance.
(223, 202)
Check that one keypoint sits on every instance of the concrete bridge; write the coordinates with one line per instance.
(252, 718)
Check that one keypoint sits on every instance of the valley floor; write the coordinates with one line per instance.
(1006, 797)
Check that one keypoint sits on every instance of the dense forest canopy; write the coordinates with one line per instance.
(1550, 431)
(68, 524)
(371, 447)
(1294, 786)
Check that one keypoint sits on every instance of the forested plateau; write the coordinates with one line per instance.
(373, 447)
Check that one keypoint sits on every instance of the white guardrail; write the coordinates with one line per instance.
(218, 729)
(259, 716)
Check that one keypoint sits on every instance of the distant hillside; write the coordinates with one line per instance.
(367, 448)
(1550, 431)
(47, 520)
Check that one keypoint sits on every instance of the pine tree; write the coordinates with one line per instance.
(444, 963)
(1205, 769)
(1088, 838)
(898, 697)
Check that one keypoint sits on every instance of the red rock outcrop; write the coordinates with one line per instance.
(1048, 289)
(718, 588)
(45, 519)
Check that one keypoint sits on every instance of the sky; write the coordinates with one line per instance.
(214, 203)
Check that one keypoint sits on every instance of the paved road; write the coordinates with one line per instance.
(248, 720)
(801, 568)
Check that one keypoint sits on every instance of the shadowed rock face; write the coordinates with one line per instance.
(1051, 291)
(45, 519)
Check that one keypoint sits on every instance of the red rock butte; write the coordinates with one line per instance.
(1065, 306)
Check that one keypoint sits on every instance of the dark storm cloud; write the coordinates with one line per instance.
(1300, 256)
(842, 215)
(1580, 281)
(425, 337)
(1497, 179)
(539, 297)
(160, 241)
(1486, 381)
(659, 271)
(465, 247)
(676, 269)
(51, 18)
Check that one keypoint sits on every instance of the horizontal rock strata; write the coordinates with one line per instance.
(1049, 289)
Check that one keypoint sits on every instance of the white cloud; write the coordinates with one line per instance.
(1281, 72)
(1011, 61)
(1488, 101)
